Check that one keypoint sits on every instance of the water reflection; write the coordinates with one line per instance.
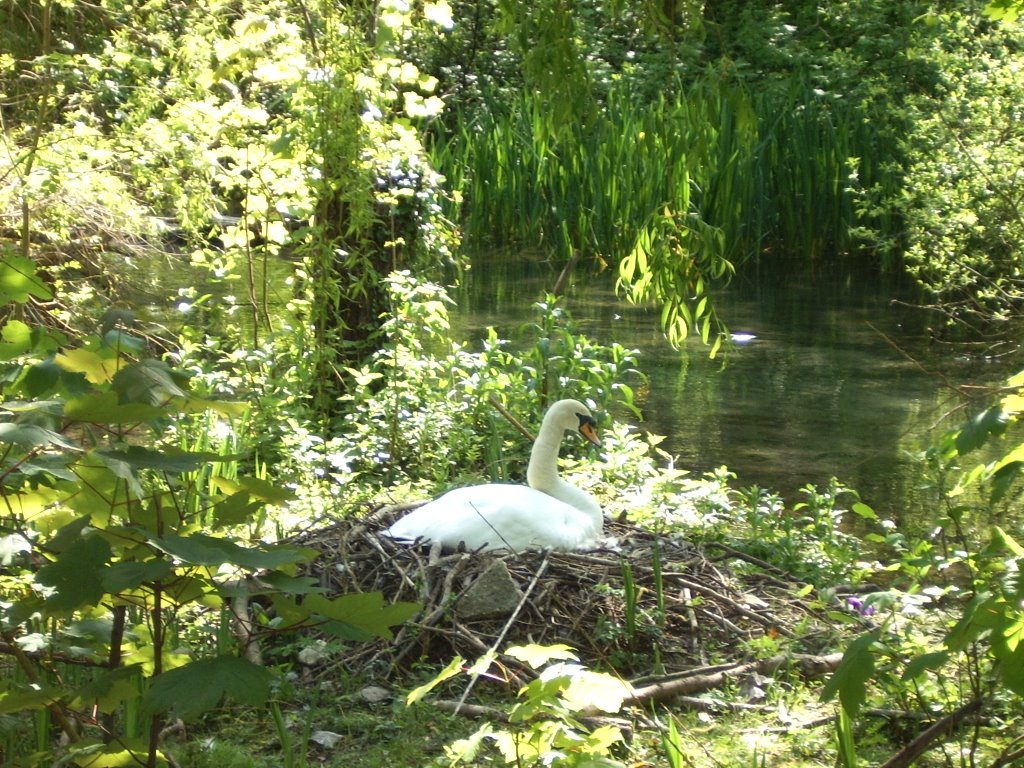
(823, 391)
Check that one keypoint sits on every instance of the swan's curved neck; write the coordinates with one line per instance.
(542, 473)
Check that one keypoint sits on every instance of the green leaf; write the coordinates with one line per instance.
(16, 339)
(926, 661)
(129, 575)
(198, 687)
(31, 436)
(539, 655)
(360, 615)
(97, 369)
(236, 509)
(454, 667)
(104, 408)
(976, 432)
(863, 510)
(149, 381)
(201, 549)
(15, 701)
(265, 491)
(846, 742)
(41, 378)
(851, 676)
(77, 575)
(110, 688)
(163, 460)
(1004, 478)
(1011, 668)
(19, 281)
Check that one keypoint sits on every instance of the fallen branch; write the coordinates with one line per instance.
(922, 743)
(810, 666)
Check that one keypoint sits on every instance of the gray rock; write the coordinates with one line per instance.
(493, 594)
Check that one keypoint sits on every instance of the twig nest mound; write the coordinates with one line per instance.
(646, 602)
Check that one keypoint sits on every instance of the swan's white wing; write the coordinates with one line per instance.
(497, 516)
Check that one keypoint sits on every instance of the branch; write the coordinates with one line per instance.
(695, 682)
(923, 741)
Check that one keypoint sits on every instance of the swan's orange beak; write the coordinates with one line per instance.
(589, 431)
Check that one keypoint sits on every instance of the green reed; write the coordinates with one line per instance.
(773, 170)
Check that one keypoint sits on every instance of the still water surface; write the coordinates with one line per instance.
(839, 381)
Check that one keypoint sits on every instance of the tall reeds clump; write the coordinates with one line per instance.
(673, 190)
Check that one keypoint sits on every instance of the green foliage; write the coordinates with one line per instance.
(543, 723)
(675, 191)
(964, 184)
(421, 408)
(970, 583)
(810, 540)
(117, 558)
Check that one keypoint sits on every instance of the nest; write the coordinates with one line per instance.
(645, 603)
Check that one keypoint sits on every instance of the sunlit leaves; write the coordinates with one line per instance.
(675, 260)
(1004, 10)
(360, 616)
(19, 280)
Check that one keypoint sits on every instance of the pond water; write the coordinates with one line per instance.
(838, 381)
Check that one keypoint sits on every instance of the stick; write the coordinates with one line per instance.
(504, 630)
(923, 741)
(669, 688)
(511, 419)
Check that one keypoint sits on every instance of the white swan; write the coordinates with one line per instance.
(549, 513)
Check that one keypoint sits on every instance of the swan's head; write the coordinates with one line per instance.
(575, 416)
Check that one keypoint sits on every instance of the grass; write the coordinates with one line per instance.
(783, 168)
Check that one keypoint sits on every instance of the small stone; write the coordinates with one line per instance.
(374, 694)
(493, 594)
(326, 739)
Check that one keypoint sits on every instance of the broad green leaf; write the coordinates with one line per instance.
(149, 381)
(201, 549)
(976, 432)
(539, 655)
(1001, 538)
(595, 689)
(77, 575)
(844, 736)
(454, 668)
(163, 460)
(15, 701)
(40, 379)
(236, 509)
(19, 281)
(970, 625)
(1003, 479)
(104, 408)
(863, 510)
(16, 339)
(122, 753)
(31, 436)
(97, 369)
(360, 615)
(1011, 668)
(227, 408)
(109, 688)
(851, 676)
(199, 686)
(122, 576)
(926, 661)
(265, 491)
